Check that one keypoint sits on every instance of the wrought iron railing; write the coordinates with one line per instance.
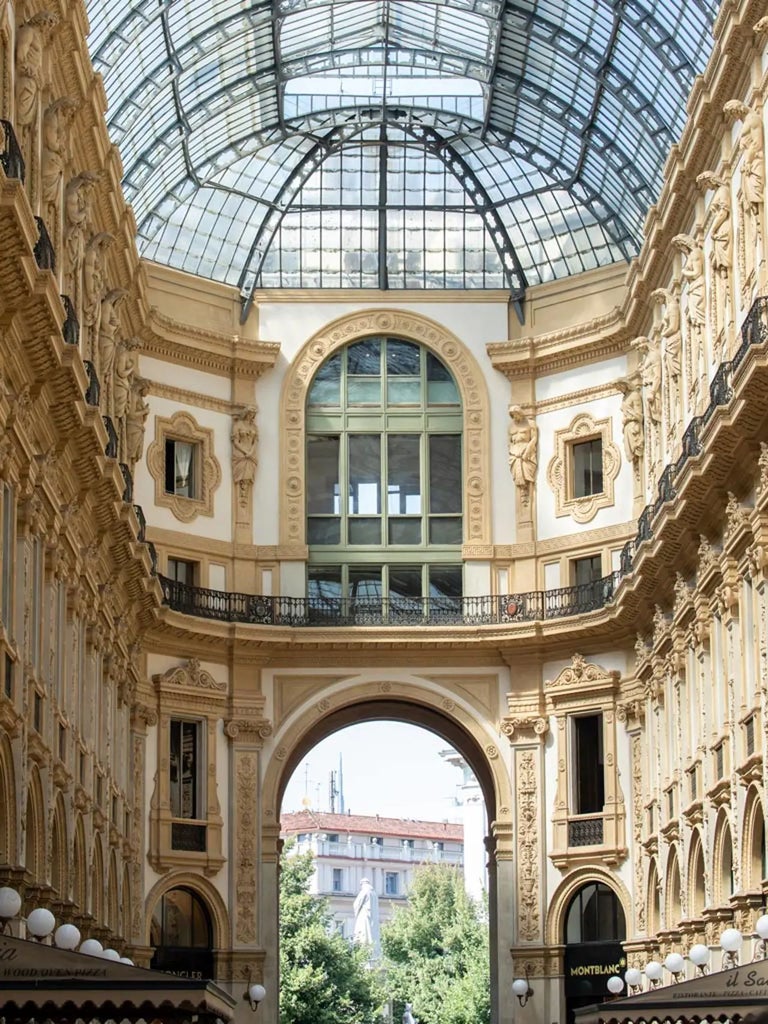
(45, 257)
(585, 831)
(128, 479)
(111, 447)
(10, 155)
(229, 606)
(70, 329)
(93, 391)
(533, 606)
(142, 522)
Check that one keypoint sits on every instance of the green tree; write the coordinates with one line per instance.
(436, 952)
(323, 980)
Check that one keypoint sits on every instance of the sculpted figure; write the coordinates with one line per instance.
(632, 416)
(57, 121)
(122, 383)
(30, 51)
(523, 451)
(93, 287)
(721, 231)
(245, 437)
(366, 909)
(77, 203)
(650, 373)
(136, 418)
(695, 310)
(672, 340)
(109, 324)
(752, 146)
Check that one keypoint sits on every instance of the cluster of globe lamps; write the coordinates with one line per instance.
(731, 941)
(41, 922)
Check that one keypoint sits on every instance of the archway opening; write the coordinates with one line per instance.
(594, 930)
(182, 935)
(346, 814)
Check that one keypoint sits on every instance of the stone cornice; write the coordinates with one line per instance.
(204, 349)
(600, 338)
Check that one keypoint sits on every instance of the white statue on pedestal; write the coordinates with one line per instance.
(366, 908)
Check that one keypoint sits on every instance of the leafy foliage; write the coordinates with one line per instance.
(323, 980)
(436, 952)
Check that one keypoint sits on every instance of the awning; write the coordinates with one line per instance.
(739, 995)
(39, 981)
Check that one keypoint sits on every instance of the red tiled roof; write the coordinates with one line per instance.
(369, 825)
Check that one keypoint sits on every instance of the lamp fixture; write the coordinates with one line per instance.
(675, 964)
(761, 947)
(10, 905)
(653, 972)
(521, 987)
(615, 985)
(634, 979)
(254, 993)
(730, 942)
(699, 955)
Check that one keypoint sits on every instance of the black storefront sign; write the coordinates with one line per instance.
(589, 965)
(183, 962)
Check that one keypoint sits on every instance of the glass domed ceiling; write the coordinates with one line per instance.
(395, 143)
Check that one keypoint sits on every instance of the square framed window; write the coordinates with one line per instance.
(182, 463)
(184, 571)
(392, 883)
(583, 470)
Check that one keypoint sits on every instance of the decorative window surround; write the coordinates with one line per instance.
(182, 426)
(560, 469)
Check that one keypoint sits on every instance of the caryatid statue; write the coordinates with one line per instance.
(77, 207)
(632, 418)
(135, 421)
(109, 325)
(672, 355)
(752, 146)
(93, 291)
(693, 273)
(245, 439)
(57, 123)
(31, 39)
(651, 377)
(721, 254)
(523, 451)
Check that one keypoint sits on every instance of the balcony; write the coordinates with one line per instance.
(11, 159)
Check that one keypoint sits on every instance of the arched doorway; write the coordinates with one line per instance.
(594, 931)
(182, 935)
(371, 701)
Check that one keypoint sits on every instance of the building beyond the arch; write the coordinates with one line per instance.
(221, 540)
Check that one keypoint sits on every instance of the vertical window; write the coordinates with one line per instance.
(384, 478)
(587, 457)
(588, 768)
(586, 570)
(391, 883)
(337, 883)
(185, 769)
(181, 468)
(183, 571)
(35, 626)
(6, 586)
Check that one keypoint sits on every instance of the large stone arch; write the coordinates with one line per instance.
(35, 838)
(417, 702)
(567, 889)
(753, 840)
(474, 398)
(8, 808)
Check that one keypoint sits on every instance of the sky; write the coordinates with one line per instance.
(389, 768)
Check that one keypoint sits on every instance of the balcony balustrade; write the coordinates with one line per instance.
(111, 448)
(70, 329)
(93, 391)
(45, 257)
(11, 159)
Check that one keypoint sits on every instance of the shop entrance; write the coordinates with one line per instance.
(594, 931)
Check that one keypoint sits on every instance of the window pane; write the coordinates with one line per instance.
(364, 358)
(364, 474)
(445, 491)
(441, 388)
(364, 391)
(445, 581)
(323, 493)
(445, 530)
(404, 474)
(403, 359)
(405, 583)
(325, 388)
(404, 391)
(588, 468)
(587, 570)
(364, 531)
(324, 582)
(365, 583)
(404, 531)
(325, 530)
(183, 464)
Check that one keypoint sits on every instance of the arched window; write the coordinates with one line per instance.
(384, 480)
(595, 915)
(182, 934)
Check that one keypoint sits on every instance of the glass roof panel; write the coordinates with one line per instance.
(560, 112)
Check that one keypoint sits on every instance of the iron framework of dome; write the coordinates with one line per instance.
(395, 143)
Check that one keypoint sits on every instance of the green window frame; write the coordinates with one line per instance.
(385, 489)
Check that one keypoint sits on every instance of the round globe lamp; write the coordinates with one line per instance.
(67, 936)
(40, 923)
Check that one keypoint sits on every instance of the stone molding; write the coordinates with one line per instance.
(182, 426)
(560, 471)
